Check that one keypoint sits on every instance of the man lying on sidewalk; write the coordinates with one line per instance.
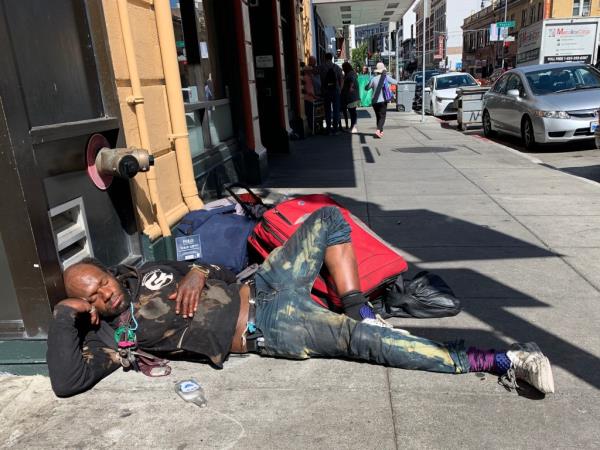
(201, 311)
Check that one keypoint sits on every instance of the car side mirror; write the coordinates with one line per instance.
(513, 93)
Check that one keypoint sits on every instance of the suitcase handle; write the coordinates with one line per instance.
(247, 210)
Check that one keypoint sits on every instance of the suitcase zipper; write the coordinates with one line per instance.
(271, 230)
(285, 219)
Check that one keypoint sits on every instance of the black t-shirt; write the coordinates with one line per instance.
(208, 333)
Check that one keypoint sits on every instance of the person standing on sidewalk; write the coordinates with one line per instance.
(350, 98)
(332, 80)
(312, 90)
(380, 84)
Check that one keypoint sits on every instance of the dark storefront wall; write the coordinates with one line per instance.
(56, 91)
(264, 24)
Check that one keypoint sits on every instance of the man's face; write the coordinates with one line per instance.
(99, 288)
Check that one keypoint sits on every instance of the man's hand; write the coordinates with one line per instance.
(188, 293)
(81, 306)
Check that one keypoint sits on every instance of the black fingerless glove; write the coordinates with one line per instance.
(352, 302)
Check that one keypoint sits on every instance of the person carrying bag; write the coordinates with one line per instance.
(381, 96)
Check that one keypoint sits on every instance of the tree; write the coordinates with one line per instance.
(358, 55)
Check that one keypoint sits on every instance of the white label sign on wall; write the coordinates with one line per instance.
(264, 61)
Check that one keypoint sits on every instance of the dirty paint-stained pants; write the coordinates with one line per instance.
(295, 327)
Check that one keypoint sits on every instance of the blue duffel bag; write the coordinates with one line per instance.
(223, 235)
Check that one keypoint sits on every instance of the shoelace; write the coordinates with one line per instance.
(509, 380)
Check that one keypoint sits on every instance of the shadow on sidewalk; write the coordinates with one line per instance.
(434, 237)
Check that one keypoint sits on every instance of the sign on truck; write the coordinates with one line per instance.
(558, 40)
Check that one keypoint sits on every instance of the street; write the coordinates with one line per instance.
(578, 158)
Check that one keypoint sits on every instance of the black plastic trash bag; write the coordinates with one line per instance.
(425, 296)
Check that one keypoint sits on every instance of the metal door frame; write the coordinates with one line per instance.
(24, 224)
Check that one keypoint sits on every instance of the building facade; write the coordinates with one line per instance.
(443, 32)
(482, 55)
(157, 75)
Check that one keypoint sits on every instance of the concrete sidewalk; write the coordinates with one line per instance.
(518, 242)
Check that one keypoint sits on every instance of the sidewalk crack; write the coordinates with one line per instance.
(393, 414)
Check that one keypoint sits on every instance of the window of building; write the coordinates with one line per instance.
(540, 13)
(581, 7)
(207, 108)
(532, 14)
(524, 18)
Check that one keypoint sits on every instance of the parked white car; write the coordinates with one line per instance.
(544, 103)
(440, 92)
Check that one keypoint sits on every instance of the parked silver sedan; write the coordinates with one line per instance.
(544, 103)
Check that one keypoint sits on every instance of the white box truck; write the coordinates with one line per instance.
(559, 40)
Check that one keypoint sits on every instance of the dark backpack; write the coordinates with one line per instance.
(330, 80)
(425, 296)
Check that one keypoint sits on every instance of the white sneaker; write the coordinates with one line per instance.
(354, 130)
(529, 364)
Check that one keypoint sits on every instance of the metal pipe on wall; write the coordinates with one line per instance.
(180, 137)
(137, 100)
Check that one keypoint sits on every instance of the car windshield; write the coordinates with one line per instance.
(428, 75)
(563, 79)
(455, 81)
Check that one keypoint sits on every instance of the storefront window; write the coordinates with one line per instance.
(207, 109)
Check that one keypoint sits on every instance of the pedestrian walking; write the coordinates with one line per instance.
(349, 97)
(332, 79)
(382, 94)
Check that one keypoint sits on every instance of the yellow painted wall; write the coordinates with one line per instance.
(564, 8)
(150, 68)
(305, 30)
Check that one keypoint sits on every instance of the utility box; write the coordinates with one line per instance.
(405, 95)
(468, 103)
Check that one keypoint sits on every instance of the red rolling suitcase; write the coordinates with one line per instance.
(378, 264)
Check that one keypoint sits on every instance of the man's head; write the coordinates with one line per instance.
(365, 70)
(312, 61)
(328, 57)
(90, 281)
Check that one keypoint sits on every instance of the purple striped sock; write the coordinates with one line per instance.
(481, 360)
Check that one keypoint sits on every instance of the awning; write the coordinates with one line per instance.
(358, 12)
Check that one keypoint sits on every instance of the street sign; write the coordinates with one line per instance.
(509, 24)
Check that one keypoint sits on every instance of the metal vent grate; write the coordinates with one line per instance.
(71, 234)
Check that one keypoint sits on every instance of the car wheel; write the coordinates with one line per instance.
(527, 134)
(487, 125)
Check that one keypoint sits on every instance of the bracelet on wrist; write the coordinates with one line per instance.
(202, 269)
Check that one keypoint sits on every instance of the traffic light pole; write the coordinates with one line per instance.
(505, 14)
(424, 37)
